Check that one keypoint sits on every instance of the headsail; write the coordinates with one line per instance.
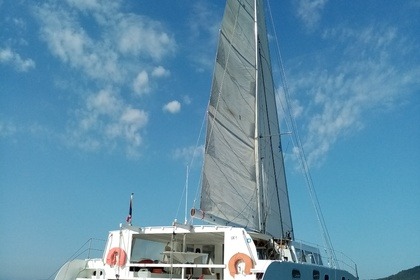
(243, 178)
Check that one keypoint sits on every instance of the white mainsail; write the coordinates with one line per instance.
(243, 178)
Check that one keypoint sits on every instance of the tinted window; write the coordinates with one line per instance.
(295, 273)
(315, 274)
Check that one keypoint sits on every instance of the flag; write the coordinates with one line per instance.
(130, 210)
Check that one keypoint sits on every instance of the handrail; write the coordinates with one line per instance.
(188, 265)
(87, 247)
(340, 256)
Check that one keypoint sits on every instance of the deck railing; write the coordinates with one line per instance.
(89, 248)
(344, 261)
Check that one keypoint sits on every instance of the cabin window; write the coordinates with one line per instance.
(315, 274)
(309, 257)
(300, 255)
(326, 277)
(317, 258)
(295, 273)
(146, 249)
(343, 278)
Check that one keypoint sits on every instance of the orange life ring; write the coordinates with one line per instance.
(111, 258)
(233, 262)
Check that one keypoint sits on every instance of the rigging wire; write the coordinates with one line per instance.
(297, 143)
(196, 150)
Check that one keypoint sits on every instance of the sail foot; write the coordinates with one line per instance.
(201, 215)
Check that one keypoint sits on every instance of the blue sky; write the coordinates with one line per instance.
(99, 99)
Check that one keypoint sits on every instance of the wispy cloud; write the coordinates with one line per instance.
(106, 121)
(119, 54)
(191, 154)
(186, 100)
(7, 128)
(309, 11)
(371, 73)
(204, 24)
(139, 36)
(160, 71)
(8, 56)
(87, 5)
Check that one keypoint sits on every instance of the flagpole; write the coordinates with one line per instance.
(130, 210)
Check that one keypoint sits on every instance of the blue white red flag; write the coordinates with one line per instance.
(130, 210)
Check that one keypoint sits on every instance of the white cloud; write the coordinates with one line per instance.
(69, 42)
(205, 19)
(141, 83)
(133, 120)
(204, 23)
(19, 23)
(107, 121)
(7, 128)
(172, 107)
(119, 52)
(186, 99)
(17, 129)
(160, 71)
(85, 5)
(141, 36)
(189, 154)
(373, 73)
(309, 11)
(105, 102)
(123, 44)
(8, 56)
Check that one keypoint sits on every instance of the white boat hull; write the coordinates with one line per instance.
(201, 252)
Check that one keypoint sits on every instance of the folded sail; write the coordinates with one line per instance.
(243, 177)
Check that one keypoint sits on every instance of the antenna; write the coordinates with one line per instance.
(186, 196)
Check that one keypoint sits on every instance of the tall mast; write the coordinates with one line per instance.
(256, 139)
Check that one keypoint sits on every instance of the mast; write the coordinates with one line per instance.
(277, 218)
(257, 154)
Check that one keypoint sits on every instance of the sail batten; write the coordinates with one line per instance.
(243, 175)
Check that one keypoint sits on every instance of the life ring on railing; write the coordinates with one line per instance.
(235, 259)
(116, 256)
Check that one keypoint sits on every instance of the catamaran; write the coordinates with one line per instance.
(248, 232)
